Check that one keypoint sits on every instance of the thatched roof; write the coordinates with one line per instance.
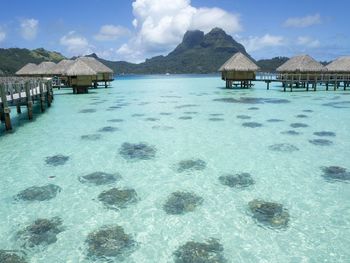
(79, 68)
(45, 68)
(302, 63)
(95, 65)
(239, 62)
(62, 66)
(28, 69)
(341, 64)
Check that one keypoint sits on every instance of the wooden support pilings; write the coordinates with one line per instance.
(5, 108)
(42, 96)
(29, 101)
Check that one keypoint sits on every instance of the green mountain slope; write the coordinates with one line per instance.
(12, 59)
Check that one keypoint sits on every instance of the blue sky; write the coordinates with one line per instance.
(135, 30)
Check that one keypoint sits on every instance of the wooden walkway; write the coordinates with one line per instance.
(305, 81)
(17, 92)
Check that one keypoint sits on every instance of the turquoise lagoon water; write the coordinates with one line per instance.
(319, 225)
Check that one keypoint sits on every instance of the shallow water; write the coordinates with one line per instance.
(319, 225)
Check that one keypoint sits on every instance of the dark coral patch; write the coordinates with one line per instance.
(283, 147)
(309, 111)
(179, 203)
(196, 252)
(11, 256)
(137, 151)
(291, 132)
(190, 112)
(88, 111)
(252, 124)
(335, 173)
(243, 117)
(41, 232)
(99, 178)
(338, 105)
(269, 214)
(165, 113)
(325, 134)
(162, 128)
(138, 115)
(321, 142)
(298, 125)
(151, 119)
(216, 119)
(302, 116)
(39, 193)
(275, 120)
(186, 106)
(252, 100)
(185, 118)
(108, 129)
(56, 160)
(110, 241)
(91, 137)
(116, 198)
(253, 108)
(190, 165)
(240, 180)
(116, 120)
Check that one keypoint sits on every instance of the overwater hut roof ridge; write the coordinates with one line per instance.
(239, 62)
(301, 63)
(341, 64)
(28, 69)
(96, 65)
(79, 68)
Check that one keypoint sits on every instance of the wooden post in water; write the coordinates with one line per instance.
(106, 85)
(7, 110)
(18, 105)
(48, 93)
(42, 96)
(29, 100)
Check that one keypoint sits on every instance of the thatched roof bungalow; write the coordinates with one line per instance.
(301, 64)
(104, 73)
(27, 70)
(238, 68)
(340, 65)
(62, 66)
(45, 69)
(80, 76)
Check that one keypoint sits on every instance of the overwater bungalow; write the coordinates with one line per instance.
(339, 70)
(59, 72)
(239, 70)
(80, 76)
(45, 69)
(302, 67)
(104, 73)
(27, 70)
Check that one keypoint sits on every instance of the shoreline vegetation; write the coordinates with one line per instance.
(198, 53)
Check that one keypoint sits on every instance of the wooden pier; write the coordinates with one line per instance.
(18, 92)
(308, 82)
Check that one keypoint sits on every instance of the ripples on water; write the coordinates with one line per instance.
(157, 189)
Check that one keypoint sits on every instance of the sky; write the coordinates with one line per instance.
(139, 29)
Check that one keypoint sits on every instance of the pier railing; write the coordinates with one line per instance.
(23, 91)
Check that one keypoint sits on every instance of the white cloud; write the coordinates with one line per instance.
(29, 28)
(2, 35)
(305, 21)
(256, 43)
(308, 42)
(75, 44)
(111, 32)
(161, 24)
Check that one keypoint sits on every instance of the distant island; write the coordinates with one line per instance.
(197, 53)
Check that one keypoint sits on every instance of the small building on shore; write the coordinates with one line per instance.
(80, 76)
(28, 70)
(239, 70)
